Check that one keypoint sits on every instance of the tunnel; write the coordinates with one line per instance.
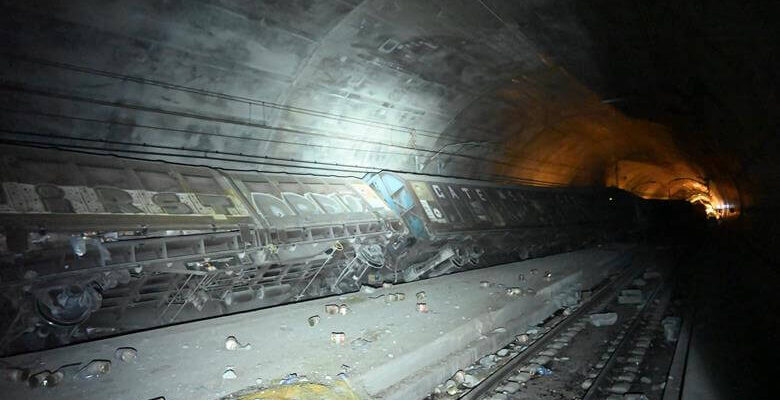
(388, 199)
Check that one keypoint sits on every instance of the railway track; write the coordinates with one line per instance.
(569, 357)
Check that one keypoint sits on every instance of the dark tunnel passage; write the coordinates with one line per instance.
(389, 199)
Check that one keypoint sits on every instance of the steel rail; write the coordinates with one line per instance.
(598, 382)
(499, 375)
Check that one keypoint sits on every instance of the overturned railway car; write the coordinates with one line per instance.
(461, 223)
(96, 245)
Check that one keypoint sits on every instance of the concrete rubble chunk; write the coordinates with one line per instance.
(470, 381)
(502, 353)
(523, 338)
(452, 390)
(231, 343)
(671, 328)
(603, 319)
(96, 369)
(459, 376)
(331, 309)
(338, 337)
(126, 354)
(488, 361)
(229, 374)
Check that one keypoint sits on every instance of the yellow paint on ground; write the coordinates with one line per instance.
(338, 390)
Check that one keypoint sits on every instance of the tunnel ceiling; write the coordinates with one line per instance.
(665, 100)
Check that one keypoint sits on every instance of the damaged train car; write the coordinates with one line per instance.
(95, 245)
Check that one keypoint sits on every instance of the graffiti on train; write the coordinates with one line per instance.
(292, 204)
(60, 199)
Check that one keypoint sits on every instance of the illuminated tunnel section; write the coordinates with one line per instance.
(575, 138)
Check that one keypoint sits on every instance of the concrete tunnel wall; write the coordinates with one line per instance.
(335, 87)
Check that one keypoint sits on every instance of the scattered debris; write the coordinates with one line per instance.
(639, 282)
(459, 376)
(126, 354)
(422, 307)
(289, 379)
(338, 337)
(671, 328)
(45, 379)
(231, 343)
(366, 289)
(484, 284)
(645, 380)
(488, 361)
(331, 309)
(96, 369)
(548, 276)
(387, 285)
(514, 291)
(603, 319)
(229, 373)
(343, 309)
(421, 297)
(470, 381)
(502, 353)
(522, 338)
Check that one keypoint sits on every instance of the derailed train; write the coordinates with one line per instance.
(97, 245)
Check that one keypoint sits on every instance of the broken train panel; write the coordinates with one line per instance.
(97, 245)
